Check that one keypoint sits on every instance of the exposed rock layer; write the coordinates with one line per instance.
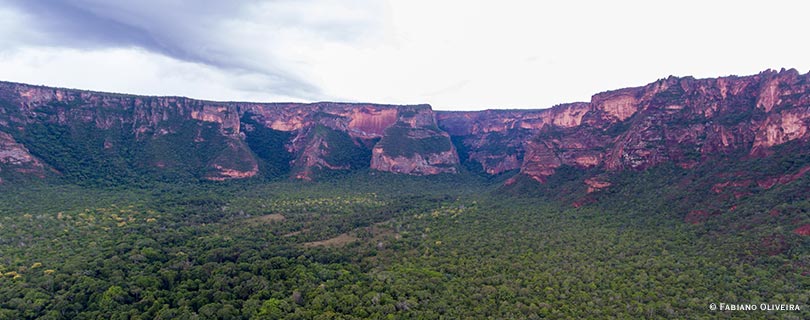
(679, 120)
(150, 118)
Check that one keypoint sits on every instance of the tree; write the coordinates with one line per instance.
(272, 309)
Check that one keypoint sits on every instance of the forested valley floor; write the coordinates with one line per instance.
(381, 246)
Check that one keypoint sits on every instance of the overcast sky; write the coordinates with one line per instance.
(455, 55)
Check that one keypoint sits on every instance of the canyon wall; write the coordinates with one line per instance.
(321, 136)
(679, 120)
(683, 121)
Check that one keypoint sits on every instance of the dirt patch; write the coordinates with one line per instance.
(268, 218)
(375, 234)
(338, 241)
(379, 231)
(295, 233)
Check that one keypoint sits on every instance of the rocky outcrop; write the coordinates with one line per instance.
(684, 121)
(15, 157)
(416, 164)
(415, 145)
(157, 122)
(495, 139)
(678, 120)
(235, 162)
(83, 116)
(369, 126)
(597, 183)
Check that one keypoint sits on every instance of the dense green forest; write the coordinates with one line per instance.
(375, 245)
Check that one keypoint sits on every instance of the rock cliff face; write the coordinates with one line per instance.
(679, 120)
(213, 135)
(322, 130)
(496, 139)
(63, 125)
(16, 157)
(684, 121)
(415, 145)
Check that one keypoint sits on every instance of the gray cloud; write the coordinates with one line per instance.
(209, 32)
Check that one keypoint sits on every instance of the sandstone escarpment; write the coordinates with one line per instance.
(415, 145)
(684, 121)
(361, 128)
(495, 139)
(417, 164)
(317, 136)
(105, 127)
(679, 120)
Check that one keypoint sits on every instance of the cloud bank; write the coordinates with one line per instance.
(247, 39)
(453, 54)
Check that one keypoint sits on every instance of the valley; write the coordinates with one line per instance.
(392, 246)
(648, 202)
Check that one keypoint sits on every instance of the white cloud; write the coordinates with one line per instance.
(129, 70)
(529, 54)
(452, 54)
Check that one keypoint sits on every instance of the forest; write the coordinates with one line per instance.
(395, 247)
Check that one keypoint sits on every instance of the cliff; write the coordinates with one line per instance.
(682, 121)
(81, 134)
(343, 136)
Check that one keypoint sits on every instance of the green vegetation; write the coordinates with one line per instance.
(268, 145)
(84, 154)
(401, 140)
(77, 152)
(464, 156)
(396, 247)
(342, 149)
(182, 152)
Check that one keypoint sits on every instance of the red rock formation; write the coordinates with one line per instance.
(416, 164)
(496, 138)
(619, 104)
(151, 117)
(371, 121)
(595, 184)
(418, 148)
(677, 120)
(803, 230)
(543, 161)
(363, 122)
(236, 163)
(15, 157)
(680, 120)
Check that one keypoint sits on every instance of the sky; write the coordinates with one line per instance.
(454, 55)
